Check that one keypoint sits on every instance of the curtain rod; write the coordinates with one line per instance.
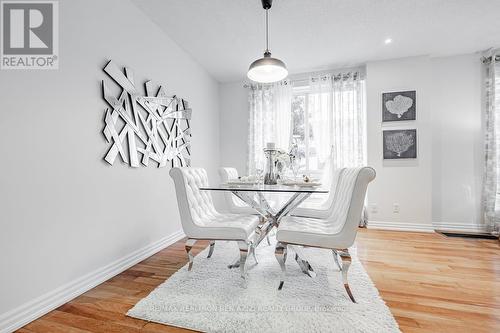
(487, 60)
(336, 77)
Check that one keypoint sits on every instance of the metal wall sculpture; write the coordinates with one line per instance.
(147, 127)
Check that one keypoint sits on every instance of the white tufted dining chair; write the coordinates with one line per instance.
(234, 204)
(320, 207)
(201, 221)
(337, 232)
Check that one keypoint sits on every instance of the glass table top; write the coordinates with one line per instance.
(265, 188)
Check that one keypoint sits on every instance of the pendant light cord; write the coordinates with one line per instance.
(267, 30)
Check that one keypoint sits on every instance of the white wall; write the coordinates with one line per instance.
(234, 125)
(457, 148)
(64, 211)
(404, 182)
(441, 188)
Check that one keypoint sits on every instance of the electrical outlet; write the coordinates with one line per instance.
(374, 208)
(395, 208)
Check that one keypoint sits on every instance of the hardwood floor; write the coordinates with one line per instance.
(430, 282)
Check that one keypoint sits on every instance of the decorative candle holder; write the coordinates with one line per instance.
(270, 175)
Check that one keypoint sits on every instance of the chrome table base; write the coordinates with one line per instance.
(271, 220)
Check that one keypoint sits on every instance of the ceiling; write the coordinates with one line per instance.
(225, 36)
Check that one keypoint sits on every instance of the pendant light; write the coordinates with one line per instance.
(267, 69)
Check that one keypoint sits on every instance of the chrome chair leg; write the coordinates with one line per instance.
(280, 253)
(304, 265)
(244, 247)
(252, 249)
(188, 246)
(346, 262)
(211, 250)
(336, 258)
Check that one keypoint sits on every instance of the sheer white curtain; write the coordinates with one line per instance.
(269, 120)
(491, 183)
(338, 113)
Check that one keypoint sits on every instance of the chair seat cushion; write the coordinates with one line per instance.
(316, 208)
(240, 209)
(226, 226)
(308, 231)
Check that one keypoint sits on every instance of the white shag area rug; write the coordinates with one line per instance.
(213, 298)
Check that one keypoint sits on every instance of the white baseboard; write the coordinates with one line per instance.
(400, 226)
(467, 227)
(26, 313)
(421, 227)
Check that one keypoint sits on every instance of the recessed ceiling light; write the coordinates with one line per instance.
(388, 41)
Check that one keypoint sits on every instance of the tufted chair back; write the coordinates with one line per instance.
(233, 203)
(319, 205)
(349, 201)
(227, 173)
(330, 201)
(196, 207)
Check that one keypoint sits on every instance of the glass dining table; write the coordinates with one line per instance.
(254, 196)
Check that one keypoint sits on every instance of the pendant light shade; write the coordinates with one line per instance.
(267, 69)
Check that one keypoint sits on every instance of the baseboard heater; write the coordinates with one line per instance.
(465, 234)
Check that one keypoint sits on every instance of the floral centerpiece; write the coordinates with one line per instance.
(282, 161)
(285, 160)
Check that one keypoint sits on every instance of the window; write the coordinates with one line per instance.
(328, 123)
(303, 132)
(324, 120)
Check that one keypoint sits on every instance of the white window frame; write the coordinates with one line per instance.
(305, 90)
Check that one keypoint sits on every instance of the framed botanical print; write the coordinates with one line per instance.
(399, 144)
(399, 106)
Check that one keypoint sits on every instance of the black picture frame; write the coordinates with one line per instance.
(394, 105)
(399, 144)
